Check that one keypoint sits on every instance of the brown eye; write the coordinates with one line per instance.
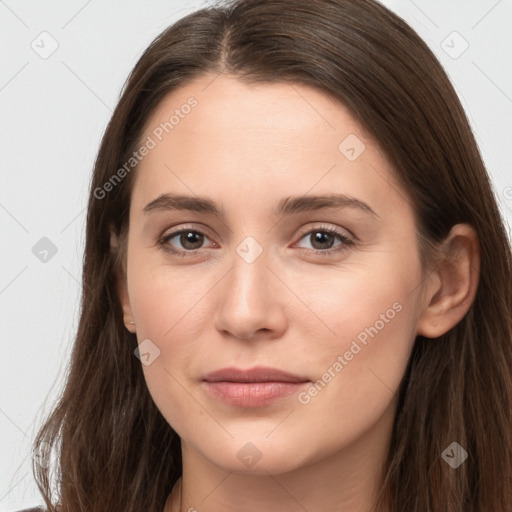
(191, 240)
(184, 240)
(322, 241)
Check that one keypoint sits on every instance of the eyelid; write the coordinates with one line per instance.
(346, 240)
(169, 233)
(346, 237)
(178, 228)
(343, 232)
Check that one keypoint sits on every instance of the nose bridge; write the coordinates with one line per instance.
(250, 299)
(249, 276)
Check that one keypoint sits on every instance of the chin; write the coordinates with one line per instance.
(254, 454)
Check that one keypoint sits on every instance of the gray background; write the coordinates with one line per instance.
(53, 111)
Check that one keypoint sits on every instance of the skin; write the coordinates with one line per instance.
(246, 148)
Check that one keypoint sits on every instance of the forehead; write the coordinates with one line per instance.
(219, 134)
(226, 104)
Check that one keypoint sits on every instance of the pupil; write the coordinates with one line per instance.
(191, 237)
(320, 236)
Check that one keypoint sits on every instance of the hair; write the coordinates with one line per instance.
(113, 449)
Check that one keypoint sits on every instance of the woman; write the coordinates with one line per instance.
(296, 285)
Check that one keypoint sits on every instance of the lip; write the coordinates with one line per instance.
(254, 387)
(256, 374)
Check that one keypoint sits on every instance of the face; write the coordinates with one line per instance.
(253, 272)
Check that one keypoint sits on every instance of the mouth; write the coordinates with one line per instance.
(254, 387)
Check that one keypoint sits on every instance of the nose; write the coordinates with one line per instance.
(251, 301)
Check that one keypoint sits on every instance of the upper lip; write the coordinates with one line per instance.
(256, 374)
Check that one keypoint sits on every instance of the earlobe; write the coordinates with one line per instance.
(121, 286)
(451, 292)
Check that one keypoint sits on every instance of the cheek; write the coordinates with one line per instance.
(357, 373)
(170, 307)
(163, 307)
(165, 301)
(369, 314)
(370, 337)
(361, 300)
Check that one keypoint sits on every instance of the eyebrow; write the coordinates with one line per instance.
(286, 206)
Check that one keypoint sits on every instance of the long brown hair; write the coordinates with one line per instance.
(114, 449)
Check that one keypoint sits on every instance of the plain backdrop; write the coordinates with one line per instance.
(63, 64)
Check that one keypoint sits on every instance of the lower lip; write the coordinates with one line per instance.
(252, 394)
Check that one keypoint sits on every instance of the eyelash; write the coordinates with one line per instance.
(346, 242)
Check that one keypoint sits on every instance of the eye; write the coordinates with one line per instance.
(186, 241)
(190, 240)
(322, 240)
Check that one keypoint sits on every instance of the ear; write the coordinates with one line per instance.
(121, 284)
(452, 286)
